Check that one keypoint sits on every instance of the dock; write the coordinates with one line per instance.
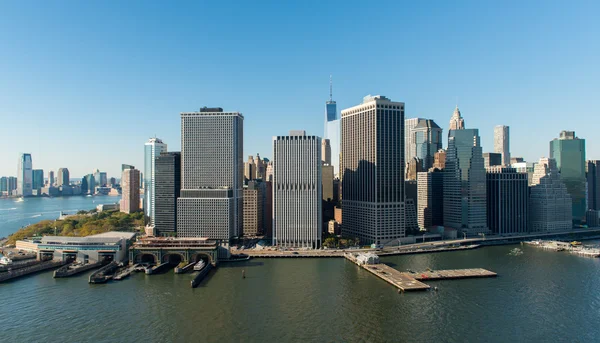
(408, 282)
(185, 268)
(104, 274)
(198, 278)
(73, 269)
(120, 275)
(38, 267)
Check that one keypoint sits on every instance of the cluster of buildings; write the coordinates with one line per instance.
(31, 182)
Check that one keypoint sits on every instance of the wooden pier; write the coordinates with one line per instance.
(408, 282)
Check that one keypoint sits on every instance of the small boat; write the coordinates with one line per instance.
(5, 260)
(19, 200)
(198, 266)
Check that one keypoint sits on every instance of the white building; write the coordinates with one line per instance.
(410, 143)
(297, 207)
(372, 170)
(25, 176)
(212, 174)
(502, 143)
(152, 150)
(550, 203)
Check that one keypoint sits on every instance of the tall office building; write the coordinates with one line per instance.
(88, 184)
(297, 194)
(439, 159)
(491, 159)
(3, 185)
(126, 166)
(507, 200)
(253, 208)
(332, 130)
(63, 177)
(456, 121)
(51, 178)
(269, 175)
(327, 182)
(502, 143)
(414, 166)
(326, 151)
(24, 176)
(211, 203)
(268, 209)
(372, 170)
(428, 141)
(100, 178)
(593, 184)
(152, 149)
(37, 180)
(430, 204)
(167, 189)
(11, 184)
(465, 183)
(550, 204)
(130, 186)
(261, 167)
(569, 152)
(410, 143)
(250, 169)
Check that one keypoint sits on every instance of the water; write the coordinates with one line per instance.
(16, 214)
(538, 296)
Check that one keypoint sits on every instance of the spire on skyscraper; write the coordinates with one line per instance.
(330, 89)
(457, 122)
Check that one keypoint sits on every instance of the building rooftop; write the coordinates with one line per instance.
(427, 123)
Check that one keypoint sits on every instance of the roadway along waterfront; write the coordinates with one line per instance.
(538, 296)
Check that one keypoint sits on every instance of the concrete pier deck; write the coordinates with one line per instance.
(408, 282)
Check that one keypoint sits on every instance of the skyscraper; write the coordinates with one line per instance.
(410, 143)
(261, 167)
(439, 159)
(593, 185)
(250, 169)
(130, 185)
(127, 166)
(332, 130)
(11, 184)
(297, 197)
(502, 143)
(430, 206)
(326, 151)
(166, 191)
(507, 200)
(456, 121)
(465, 183)
(327, 182)
(569, 152)
(372, 170)
(63, 177)
(413, 166)
(100, 178)
(253, 208)
(37, 180)
(550, 204)
(3, 185)
(428, 141)
(152, 150)
(51, 178)
(24, 176)
(211, 204)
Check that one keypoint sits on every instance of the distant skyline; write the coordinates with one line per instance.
(85, 84)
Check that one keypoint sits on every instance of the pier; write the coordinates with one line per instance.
(41, 266)
(407, 282)
(104, 274)
(198, 278)
(125, 272)
(185, 268)
(158, 269)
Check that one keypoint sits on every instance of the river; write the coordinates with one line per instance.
(538, 296)
(16, 214)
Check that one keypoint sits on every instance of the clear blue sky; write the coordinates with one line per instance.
(83, 84)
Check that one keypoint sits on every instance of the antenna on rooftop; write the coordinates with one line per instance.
(330, 88)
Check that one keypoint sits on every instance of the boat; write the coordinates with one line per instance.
(198, 266)
(5, 260)
(575, 243)
(19, 199)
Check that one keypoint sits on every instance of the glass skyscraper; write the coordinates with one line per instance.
(465, 183)
(25, 176)
(569, 153)
(152, 150)
(332, 131)
(428, 140)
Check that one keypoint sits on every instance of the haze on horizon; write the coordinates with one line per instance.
(84, 85)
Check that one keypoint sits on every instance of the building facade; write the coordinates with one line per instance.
(507, 201)
(130, 185)
(152, 149)
(326, 151)
(25, 176)
(569, 152)
(550, 204)
(430, 193)
(51, 178)
(372, 170)
(211, 203)
(167, 175)
(593, 184)
(63, 177)
(456, 121)
(253, 208)
(491, 159)
(410, 144)
(439, 159)
(327, 182)
(502, 144)
(465, 183)
(297, 193)
(428, 141)
(37, 180)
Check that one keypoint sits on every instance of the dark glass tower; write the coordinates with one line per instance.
(167, 189)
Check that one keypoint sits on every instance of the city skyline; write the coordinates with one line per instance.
(507, 80)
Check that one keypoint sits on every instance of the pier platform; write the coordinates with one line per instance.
(408, 282)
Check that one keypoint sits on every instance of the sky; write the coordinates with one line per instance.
(84, 84)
